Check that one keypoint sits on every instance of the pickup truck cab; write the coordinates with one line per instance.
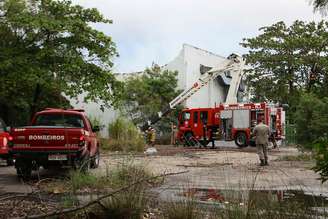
(55, 138)
(4, 140)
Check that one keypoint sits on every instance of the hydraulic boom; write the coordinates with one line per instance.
(234, 63)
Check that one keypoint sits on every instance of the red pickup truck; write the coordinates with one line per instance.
(55, 138)
(4, 139)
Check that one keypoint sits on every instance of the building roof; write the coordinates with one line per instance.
(123, 75)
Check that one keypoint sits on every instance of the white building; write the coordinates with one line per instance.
(190, 63)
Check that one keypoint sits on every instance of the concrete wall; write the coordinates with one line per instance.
(93, 111)
(187, 63)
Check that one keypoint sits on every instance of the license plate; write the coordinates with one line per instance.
(57, 157)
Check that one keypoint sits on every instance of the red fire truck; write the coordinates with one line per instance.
(229, 122)
(199, 126)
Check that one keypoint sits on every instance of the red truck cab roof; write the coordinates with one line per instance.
(62, 110)
(77, 112)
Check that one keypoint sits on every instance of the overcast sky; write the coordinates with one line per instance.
(147, 31)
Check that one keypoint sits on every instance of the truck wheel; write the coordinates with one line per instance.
(85, 163)
(241, 139)
(23, 168)
(189, 139)
(24, 172)
(95, 160)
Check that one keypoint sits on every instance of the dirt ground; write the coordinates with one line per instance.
(209, 174)
(223, 168)
(228, 168)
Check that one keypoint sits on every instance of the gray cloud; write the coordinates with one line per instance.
(154, 30)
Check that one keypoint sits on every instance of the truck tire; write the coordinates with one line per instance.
(95, 160)
(241, 139)
(24, 171)
(23, 168)
(84, 163)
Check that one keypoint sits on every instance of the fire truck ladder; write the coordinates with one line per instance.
(234, 63)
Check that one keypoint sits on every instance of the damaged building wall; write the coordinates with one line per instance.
(188, 63)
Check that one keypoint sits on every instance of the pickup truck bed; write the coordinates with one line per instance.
(56, 138)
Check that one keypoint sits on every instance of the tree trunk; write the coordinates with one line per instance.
(36, 96)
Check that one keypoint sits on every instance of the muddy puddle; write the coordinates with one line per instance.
(242, 197)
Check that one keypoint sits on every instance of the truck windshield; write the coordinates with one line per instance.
(67, 120)
(186, 116)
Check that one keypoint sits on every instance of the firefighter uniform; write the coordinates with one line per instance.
(151, 137)
(173, 134)
(262, 133)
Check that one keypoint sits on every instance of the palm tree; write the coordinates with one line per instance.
(320, 5)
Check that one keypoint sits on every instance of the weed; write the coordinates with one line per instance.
(127, 172)
(185, 209)
(69, 201)
(79, 180)
(128, 204)
(131, 202)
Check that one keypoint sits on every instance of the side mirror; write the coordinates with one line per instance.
(96, 129)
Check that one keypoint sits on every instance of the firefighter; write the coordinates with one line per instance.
(173, 134)
(262, 133)
(151, 136)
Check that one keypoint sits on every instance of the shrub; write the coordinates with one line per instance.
(131, 202)
(79, 180)
(125, 136)
(127, 172)
(322, 158)
(311, 119)
(95, 121)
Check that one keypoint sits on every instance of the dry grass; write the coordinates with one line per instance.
(186, 209)
(300, 157)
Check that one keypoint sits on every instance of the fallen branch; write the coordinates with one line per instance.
(97, 201)
(14, 197)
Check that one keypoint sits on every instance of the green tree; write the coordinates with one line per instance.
(148, 93)
(311, 119)
(320, 5)
(321, 155)
(50, 47)
(285, 61)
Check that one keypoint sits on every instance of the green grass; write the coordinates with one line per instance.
(68, 201)
(79, 180)
(127, 172)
